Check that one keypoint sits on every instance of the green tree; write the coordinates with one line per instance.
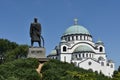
(20, 69)
(116, 76)
(1, 77)
(119, 68)
(12, 78)
(18, 52)
(6, 45)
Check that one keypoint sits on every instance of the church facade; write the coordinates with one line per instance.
(77, 46)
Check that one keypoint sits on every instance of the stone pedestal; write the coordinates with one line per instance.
(36, 52)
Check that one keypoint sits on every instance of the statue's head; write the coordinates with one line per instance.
(35, 20)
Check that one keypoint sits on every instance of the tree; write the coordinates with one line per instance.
(12, 78)
(18, 52)
(6, 45)
(20, 69)
(119, 68)
(116, 76)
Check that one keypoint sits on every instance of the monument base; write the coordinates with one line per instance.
(36, 52)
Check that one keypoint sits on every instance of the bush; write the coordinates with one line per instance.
(21, 69)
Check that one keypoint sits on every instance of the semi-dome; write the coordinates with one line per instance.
(53, 52)
(83, 48)
(76, 29)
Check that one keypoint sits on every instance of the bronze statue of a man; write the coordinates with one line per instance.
(35, 32)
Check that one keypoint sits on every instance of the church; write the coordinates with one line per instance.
(77, 46)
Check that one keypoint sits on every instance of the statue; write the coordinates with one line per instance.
(35, 32)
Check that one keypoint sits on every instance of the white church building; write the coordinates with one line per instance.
(77, 46)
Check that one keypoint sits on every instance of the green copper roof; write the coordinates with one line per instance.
(76, 29)
(83, 48)
(100, 42)
(53, 52)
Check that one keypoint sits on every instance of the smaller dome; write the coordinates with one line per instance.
(53, 52)
(99, 42)
(82, 48)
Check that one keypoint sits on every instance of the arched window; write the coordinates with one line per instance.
(90, 55)
(76, 56)
(101, 49)
(64, 48)
(83, 55)
(68, 38)
(102, 63)
(76, 37)
(86, 55)
(111, 66)
(79, 55)
(80, 37)
(84, 38)
(107, 64)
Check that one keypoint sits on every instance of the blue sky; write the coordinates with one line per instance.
(100, 17)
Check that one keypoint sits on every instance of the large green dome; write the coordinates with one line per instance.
(76, 29)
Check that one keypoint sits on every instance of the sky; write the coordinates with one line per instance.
(100, 17)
